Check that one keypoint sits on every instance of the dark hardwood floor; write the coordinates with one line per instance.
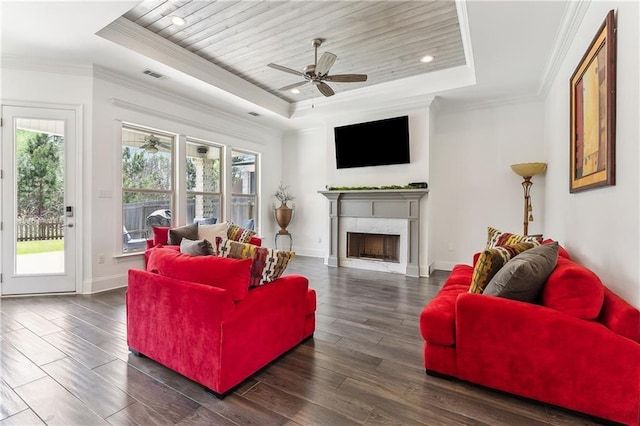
(64, 361)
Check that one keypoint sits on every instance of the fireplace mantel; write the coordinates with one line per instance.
(377, 203)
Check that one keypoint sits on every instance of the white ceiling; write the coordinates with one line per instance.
(508, 46)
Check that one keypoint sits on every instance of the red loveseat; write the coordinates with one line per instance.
(196, 316)
(579, 348)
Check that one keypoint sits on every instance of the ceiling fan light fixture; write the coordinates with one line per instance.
(176, 20)
(427, 58)
(151, 149)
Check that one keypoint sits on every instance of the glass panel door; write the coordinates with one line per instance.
(38, 241)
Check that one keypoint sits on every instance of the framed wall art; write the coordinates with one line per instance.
(593, 113)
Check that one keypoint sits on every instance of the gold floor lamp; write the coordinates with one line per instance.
(527, 171)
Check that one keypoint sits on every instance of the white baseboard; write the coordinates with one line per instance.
(442, 266)
(102, 284)
(310, 252)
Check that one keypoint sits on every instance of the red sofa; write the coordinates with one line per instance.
(196, 315)
(578, 348)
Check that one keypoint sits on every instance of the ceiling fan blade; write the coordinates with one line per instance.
(285, 69)
(326, 61)
(325, 89)
(346, 78)
(292, 86)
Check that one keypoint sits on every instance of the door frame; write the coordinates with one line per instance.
(76, 109)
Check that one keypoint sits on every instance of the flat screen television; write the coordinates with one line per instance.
(376, 143)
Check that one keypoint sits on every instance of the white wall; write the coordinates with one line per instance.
(101, 152)
(599, 227)
(472, 185)
(304, 156)
(309, 166)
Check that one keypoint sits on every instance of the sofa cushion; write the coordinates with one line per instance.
(229, 274)
(497, 238)
(437, 320)
(235, 250)
(211, 232)
(523, 277)
(267, 264)
(160, 235)
(619, 316)
(489, 263)
(237, 233)
(190, 232)
(573, 289)
(196, 247)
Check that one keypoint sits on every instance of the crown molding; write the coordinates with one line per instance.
(110, 76)
(258, 138)
(465, 33)
(571, 19)
(32, 64)
(445, 105)
(140, 40)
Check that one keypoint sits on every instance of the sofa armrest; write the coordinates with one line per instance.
(267, 323)
(166, 316)
(544, 354)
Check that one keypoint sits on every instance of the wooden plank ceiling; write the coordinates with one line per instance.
(383, 39)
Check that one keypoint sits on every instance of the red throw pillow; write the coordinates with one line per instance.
(228, 274)
(561, 250)
(573, 289)
(160, 234)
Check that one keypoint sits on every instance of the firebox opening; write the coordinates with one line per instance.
(373, 246)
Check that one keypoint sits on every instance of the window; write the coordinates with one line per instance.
(147, 185)
(203, 183)
(243, 189)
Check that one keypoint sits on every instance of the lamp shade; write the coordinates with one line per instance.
(529, 169)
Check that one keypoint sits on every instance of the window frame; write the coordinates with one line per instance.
(220, 193)
(123, 126)
(255, 195)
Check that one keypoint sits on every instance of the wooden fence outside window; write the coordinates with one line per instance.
(34, 230)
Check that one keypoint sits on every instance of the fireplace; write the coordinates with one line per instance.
(381, 212)
(381, 247)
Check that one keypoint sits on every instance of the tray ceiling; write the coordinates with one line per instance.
(384, 39)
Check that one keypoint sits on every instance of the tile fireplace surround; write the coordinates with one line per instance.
(384, 205)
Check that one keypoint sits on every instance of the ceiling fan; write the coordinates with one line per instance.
(318, 73)
(151, 144)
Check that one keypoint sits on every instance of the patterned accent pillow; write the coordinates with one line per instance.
(497, 238)
(237, 233)
(490, 262)
(235, 250)
(268, 264)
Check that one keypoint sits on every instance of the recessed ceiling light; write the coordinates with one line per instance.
(295, 91)
(427, 58)
(178, 21)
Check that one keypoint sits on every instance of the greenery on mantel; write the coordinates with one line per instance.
(362, 188)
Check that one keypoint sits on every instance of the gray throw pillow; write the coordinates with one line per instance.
(196, 248)
(190, 232)
(523, 277)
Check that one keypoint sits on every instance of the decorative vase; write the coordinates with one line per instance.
(283, 215)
